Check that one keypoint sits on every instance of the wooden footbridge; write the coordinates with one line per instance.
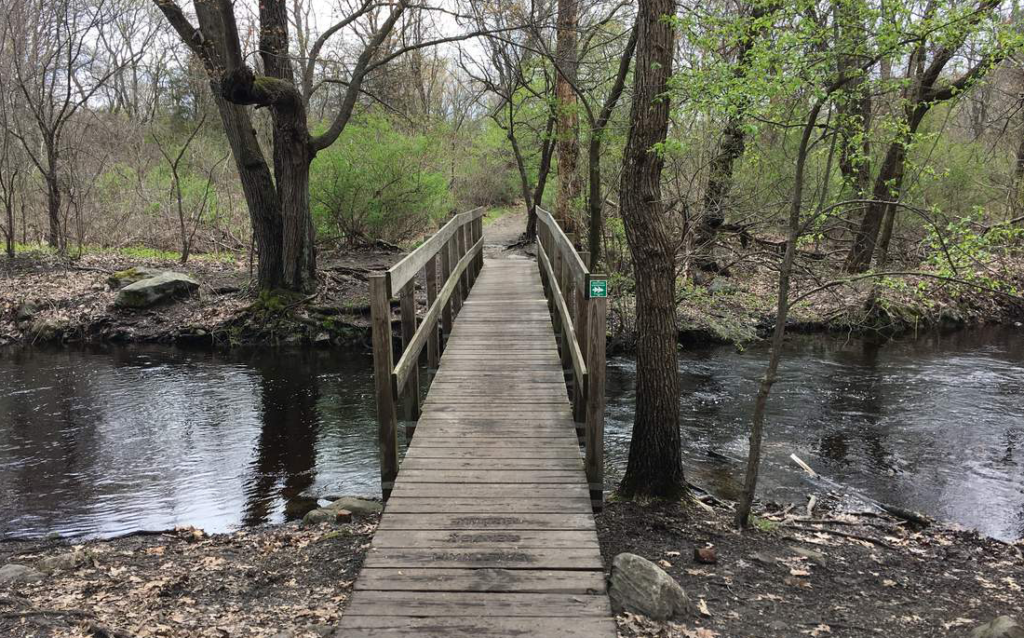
(488, 528)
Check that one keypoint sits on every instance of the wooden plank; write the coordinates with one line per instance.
(491, 625)
(417, 463)
(483, 580)
(506, 558)
(504, 521)
(473, 604)
(505, 505)
(407, 489)
(489, 452)
(486, 539)
(504, 476)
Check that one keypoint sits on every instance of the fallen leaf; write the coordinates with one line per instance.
(702, 607)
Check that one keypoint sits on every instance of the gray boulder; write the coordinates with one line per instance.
(122, 278)
(319, 515)
(299, 507)
(151, 291)
(12, 574)
(1002, 627)
(358, 506)
(26, 312)
(62, 562)
(641, 587)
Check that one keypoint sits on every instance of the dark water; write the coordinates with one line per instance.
(101, 442)
(935, 424)
(98, 442)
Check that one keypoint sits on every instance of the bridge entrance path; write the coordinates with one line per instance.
(489, 529)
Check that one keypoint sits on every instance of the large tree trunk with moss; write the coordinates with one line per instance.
(567, 62)
(655, 462)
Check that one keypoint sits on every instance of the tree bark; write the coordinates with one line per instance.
(567, 62)
(655, 462)
(546, 151)
(730, 149)
(595, 199)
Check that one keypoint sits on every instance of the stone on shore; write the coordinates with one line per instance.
(641, 587)
(356, 505)
(1001, 627)
(153, 290)
(12, 574)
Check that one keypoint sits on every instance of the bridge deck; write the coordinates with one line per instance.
(489, 530)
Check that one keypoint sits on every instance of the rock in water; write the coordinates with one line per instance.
(10, 574)
(358, 506)
(151, 291)
(639, 586)
(1002, 627)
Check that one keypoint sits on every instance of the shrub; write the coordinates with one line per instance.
(378, 183)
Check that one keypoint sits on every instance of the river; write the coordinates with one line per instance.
(100, 441)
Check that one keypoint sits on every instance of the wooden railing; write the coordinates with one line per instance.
(579, 321)
(459, 246)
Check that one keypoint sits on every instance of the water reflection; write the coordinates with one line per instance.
(107, 440)
(102, 441)
(933, 424)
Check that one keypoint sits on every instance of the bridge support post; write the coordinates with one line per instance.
(411, 392)
(387, 418)
(446, 274)
(597, 309)
(433, 341)
(582, 320)
(460, 234)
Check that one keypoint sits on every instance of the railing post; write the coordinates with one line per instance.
(582, 321)
(461, 234)
(555, 256)
(478, 233)
(412, 386)
(387, 421)
(446, 274)
(434, 341)
(594, 462)
(562, 275)
(456, 251)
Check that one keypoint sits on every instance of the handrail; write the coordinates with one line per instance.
(460, 241)
(576, 263)
(411, 353)
(579, 366)
(411, 264)
(580, 319)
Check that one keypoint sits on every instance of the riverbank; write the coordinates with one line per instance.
(48, 300)
(836, 575)
(831, 575)
(44, 299)
(283, 581)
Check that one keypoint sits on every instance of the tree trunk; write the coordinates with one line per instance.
(779, 333)
(55, 238)
(655, 463)
(569, 187)
(546, 151)
(595, 201)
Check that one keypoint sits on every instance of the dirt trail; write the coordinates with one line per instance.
(503, 232)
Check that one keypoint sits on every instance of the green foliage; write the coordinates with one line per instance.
(378, 182)
(968, 251)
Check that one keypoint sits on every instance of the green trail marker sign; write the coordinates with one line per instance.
(598, 288)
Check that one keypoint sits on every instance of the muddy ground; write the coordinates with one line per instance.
(838, 575)
(285, 581)
(73, 302)
(853, 576)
